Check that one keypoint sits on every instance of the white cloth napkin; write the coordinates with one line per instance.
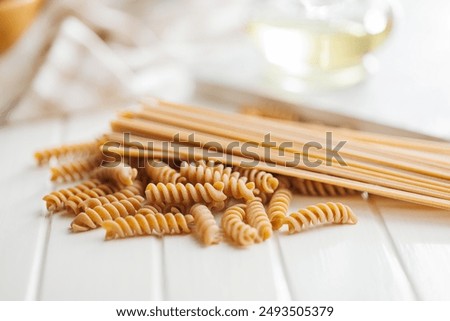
(88, 54)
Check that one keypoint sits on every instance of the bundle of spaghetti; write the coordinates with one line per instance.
(264, 182)
(234, 226)
(75, 170)
(270, 110)
(186, 194)
(66, 151)
(117, 172)
(160, 172)
(373, 170)
(206, 227)
(55, 201)
(129, 191)
(318, 214)
(312, 188)
(257, 217)
(147, 223)
(234, 186)
(94, 217)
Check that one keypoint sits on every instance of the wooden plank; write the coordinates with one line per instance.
(23, 226)
(343, 262)
(422, 239)
(83, 266)
(219, 272)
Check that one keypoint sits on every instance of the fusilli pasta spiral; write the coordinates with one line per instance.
(147, 224)
(73, 202)
(234, 226)
(278, 207)
(160, 172)
(313, 188)
(55, 201)
(206, 227)
(320, 214)
(74, 170)
(185, 194)
(94, 217)
(234, 185)
(265, 182)
(117, 172)
(129, 191)
(83, 149)
(257, 217)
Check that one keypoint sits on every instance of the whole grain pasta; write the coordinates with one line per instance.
(278, 206)
(75, 170)
(160, 172)
(94, 217)
(206, 227)
(116, 172)
(318, 214)
(236, 229)
(149, 224)
(312, 188)
(129, 191)
(64, 151)
(257, 217)
(234, 185)
(186, 194)
(73, 202)
(55, 201)
(264, 182)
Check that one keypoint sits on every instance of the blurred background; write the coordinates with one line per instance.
(380, 60)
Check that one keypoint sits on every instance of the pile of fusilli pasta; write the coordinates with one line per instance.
(159, 199)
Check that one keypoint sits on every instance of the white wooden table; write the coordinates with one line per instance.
(396, 251)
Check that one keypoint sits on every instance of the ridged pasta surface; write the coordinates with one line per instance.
(150, 224)
(55, 201)
(186, 194)
(236, 229)
(318, 214)
(94, 217)
(257, 217)
(206, 227)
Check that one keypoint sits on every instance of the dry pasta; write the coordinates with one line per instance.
(236, 229)
(55, 201)
(116, 172)
(234, 185)
(320, 214)
(84, 149)
(74, 170)
(129, 191)
(312, 188)
(147, 224)
(257, 217)
(73, 202)
(94, 217)
(160, 172)
(186, 194)
(264, 182)
(278, 206)
(206, 227)
(271, 110)
(203, 172)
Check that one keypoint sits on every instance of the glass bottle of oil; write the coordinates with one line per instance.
(319, 43)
